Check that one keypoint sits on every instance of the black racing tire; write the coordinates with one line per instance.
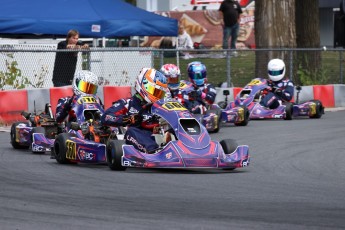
(288, 111)
(114, 154)
(218, 112)
(319, 109)
(37, 130)
(229, 145)
(246, 117)
(60, 148)
(13, 135)
(222, 104)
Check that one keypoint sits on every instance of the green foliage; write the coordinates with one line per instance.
(307, 77)
(12, 76)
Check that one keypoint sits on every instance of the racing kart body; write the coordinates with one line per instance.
(38, 133)
(190, 145)
(84, 140)
(252, 93)
(213, 115)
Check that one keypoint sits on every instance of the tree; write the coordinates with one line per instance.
(308, 36)
(274, 28)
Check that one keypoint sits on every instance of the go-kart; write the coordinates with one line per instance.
(252, 93)
(84, 139)
(214, 114)
(189, 145)
(38, 133)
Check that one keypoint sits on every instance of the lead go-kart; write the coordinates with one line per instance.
(252, 94)
(84, 139)
(190, 145)
(214, 115)
(38, 133)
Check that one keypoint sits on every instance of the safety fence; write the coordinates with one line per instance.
(31, 66)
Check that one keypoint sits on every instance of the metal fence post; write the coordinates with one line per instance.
(341, 66)
(291, 65)
(228, 68)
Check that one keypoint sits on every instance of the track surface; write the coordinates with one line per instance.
(296, 180)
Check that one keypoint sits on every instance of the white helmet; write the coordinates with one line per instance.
(276, 69)
(84, 82)
(173, 75)
(151, 85)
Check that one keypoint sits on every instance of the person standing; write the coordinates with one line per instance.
(230, 11)
(65, 62)
(184, 41)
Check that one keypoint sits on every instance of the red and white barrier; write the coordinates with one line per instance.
(13, 102)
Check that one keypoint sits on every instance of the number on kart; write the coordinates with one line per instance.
(86, 100)
(173, 106)
(255, 82)
(71, 150)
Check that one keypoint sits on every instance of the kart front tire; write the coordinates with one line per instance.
(60, 148)
(13, 134)
(114, 155)
(37, 130)
(319, 109)
(288, 111)
(246, 117)
(229, 145)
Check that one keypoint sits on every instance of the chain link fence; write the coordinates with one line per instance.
(31, 66)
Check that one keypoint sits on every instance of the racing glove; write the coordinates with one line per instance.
(134, 119)
(195, 94)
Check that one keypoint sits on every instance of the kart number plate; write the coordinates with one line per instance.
(255, 82)
(86, 100)
(173, 106)
(71, 152)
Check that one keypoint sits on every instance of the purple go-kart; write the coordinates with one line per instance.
(252, 93)
(189, 145)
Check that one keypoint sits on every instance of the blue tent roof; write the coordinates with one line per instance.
(101, 18)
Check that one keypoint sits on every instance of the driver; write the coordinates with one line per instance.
(280, 89)
(203, 93)
(173, 75)
(84, 83)
(150, 86)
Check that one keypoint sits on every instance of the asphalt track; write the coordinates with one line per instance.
(295, 181)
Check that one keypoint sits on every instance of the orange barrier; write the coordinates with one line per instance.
(114, 93)
(12, 103)
(58, 92)
(324, 93)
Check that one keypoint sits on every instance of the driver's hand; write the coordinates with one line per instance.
(133, 119)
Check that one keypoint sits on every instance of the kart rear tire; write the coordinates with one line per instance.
(114, 155)
(246, 117)
(37, 130)
(319, 109)
(218, 112)
(60, 148)
(13, 134)
(288, 111)
(229, 145)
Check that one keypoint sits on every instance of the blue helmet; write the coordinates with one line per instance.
(197, 73)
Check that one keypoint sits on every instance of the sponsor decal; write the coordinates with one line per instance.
(168, 155)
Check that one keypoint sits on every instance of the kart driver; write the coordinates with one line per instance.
(203, 94)
(150, 86)
(173, 75)
(281, 89)
(84, 83)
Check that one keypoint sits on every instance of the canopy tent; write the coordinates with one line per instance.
(95, 19)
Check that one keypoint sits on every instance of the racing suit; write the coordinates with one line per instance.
(282, 90)
(196, 99)
(63, 109)
(140, 122)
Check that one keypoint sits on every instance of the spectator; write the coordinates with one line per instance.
(65, 62)
(230, 11)
(184, 41)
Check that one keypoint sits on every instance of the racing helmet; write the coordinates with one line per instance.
(85, 82)
(151, 85)
(276, 69)
(173, 75)
(197, 73)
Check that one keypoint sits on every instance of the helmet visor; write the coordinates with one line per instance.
(275, 72)
(156, 92)
(173, 80)
(197, 76)
(87, 87)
